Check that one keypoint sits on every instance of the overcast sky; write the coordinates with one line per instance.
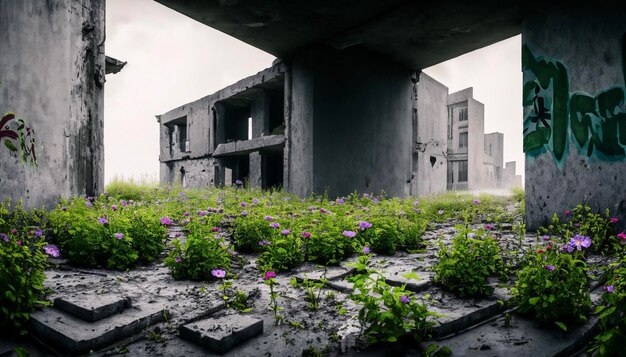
(173, 60)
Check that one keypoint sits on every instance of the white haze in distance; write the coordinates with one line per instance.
(173, 60)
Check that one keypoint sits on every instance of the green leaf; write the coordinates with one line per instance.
(533, 300)
(9, 144)
(561, 325)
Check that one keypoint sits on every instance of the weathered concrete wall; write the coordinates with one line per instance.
(52, 69)
(432, 142)
(509, 177)
(476, 145)
(198, 173)
(493, 159)
(574, 65)
(361, 111)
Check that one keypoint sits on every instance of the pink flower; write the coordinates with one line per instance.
(568, 213)
(622, 236)
(306, 234)
(269, 275)
(114, 207)
(166, 221)
(52, 250)
(614, 220)
(218, 273)
(488, 226)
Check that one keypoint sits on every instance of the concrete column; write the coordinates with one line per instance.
(256, 170)
(574, 68)
(260, 113)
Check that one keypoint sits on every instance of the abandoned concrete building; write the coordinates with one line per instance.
(238, 134)
(351, 88)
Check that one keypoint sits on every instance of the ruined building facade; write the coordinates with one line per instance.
(249, 130)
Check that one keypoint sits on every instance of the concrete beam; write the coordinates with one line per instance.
(247, 146)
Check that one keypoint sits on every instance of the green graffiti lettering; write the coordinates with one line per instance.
(597, 123)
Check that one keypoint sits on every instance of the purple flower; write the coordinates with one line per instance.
(13, 231)
(285, 232)
(179, 259)
(312, 208)
(306, 234)
(89, 198)
(323, 210)
(186, 214)
(238, 183)
(269, 275)
(476, 201)
(609, 288)
(349, 234)
(166, 221)
(123, 203)
(218, 273)
(38, 233)
(340, 201)
(440, 212)
(275, 225)
(576, 225)
(63, 208)
(580, 241)
(102, 220)
(364, 225)
(119, 235)
(549, 267)
(52, 250)
(5, 237)
(255, 201)
(88, 204)
(405, 299)
(567, 248)
(114, 207)
(268, 218)
(244, 213)
(366, 250)
(243, 204)
(264, 242)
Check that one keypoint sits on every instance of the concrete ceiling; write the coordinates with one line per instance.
(415, 33)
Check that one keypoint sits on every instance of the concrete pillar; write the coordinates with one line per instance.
(574, 68)
(260, 113)
(256, 170)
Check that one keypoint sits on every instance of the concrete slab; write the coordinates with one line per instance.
(223, 333)
(76, 336)
(92, 307)
(521, 337)
(460, 314)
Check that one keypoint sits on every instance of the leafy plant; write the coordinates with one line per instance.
(197, 257)
(387, 313)
(552, 287)
(581, 220)
(284, 252)
(465, 268)
(609, 341)
(22, 264)
(251, 230)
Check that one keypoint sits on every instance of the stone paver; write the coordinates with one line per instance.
(76, 336)
(223, 333)
(92, 307)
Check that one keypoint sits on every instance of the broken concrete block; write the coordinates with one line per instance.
(223, 333)
(92, 307)
(76, 336)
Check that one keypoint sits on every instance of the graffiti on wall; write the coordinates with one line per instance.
(553, 115)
